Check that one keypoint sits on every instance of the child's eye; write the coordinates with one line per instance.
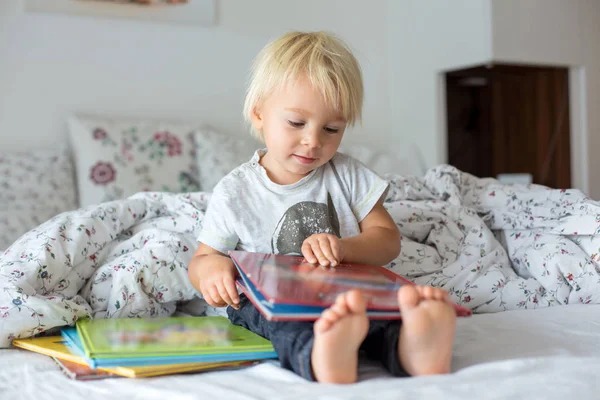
(332, 130)
(296, 124)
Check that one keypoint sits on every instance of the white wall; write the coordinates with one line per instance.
(564, 33)
(427, 38)
(590, 39)
(540, 31)
(53, 65)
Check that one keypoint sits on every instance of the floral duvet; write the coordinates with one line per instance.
(493, 247)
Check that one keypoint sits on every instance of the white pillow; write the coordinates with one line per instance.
(34, 187)
(217, 154)
(116, 158)
(407, 161)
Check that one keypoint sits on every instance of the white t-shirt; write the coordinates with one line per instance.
(248, 211)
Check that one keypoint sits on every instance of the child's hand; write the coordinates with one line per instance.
(216, 278)
(324, 249)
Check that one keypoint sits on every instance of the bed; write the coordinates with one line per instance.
(523, 258)
(548, 353)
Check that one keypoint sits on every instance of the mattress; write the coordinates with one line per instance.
(546, 353)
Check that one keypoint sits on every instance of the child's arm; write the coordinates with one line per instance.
(213, 274)
(377, 244)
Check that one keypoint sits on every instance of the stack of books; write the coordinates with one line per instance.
(139, 347)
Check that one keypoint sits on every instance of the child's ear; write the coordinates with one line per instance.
(257, 121)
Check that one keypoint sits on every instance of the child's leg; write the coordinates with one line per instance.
(427, 332)
(339, 333)
(293, 341)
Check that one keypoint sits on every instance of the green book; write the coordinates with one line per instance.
(167, 337)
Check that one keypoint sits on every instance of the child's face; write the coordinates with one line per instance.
(300, 130)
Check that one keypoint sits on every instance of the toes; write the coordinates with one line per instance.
(352, 302)
(325, 321)
(431, 293)
(330, 315)
(428, 292)
(442, 295)
(408, 296)
(438, 294)
(338, 310)
(341, 304)
(321, 325)
(356, 303)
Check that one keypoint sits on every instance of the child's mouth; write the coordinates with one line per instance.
(305, 160)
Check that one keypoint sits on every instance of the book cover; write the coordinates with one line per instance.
(170, 340)
(80, 372)
(295, 312)
(275, 281)
(76, 347)
(56, 347)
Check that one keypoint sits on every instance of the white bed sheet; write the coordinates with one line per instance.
(546, 353)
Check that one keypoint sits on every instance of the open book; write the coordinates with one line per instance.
(289, 288)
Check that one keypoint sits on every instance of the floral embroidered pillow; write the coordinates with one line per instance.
(405, 161)
(116, 158)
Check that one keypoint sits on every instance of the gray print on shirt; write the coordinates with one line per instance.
(301, 221)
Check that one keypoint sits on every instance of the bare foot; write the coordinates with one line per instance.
(339, 332)
(427, 332)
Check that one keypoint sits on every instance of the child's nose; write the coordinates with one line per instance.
(312, 139)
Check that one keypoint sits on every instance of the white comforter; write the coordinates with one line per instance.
(128, 258)
(549, 353)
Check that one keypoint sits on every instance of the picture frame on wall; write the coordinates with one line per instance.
(190, 12)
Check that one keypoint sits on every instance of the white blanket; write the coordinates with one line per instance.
(547, 353)
(128, 258)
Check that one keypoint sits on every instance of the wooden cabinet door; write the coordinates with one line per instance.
(515, 120)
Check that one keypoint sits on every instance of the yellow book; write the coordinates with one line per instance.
(54, 346)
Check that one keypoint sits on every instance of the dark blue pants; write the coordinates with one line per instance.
(293, 340)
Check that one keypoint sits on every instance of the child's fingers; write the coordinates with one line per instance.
(316, 248)
(308, 253)
(325, 246)
(223, 293)
(336, 249)
(213, 297)
(229, 285)
(205, 294)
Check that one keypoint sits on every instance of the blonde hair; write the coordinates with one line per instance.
(327, 62)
